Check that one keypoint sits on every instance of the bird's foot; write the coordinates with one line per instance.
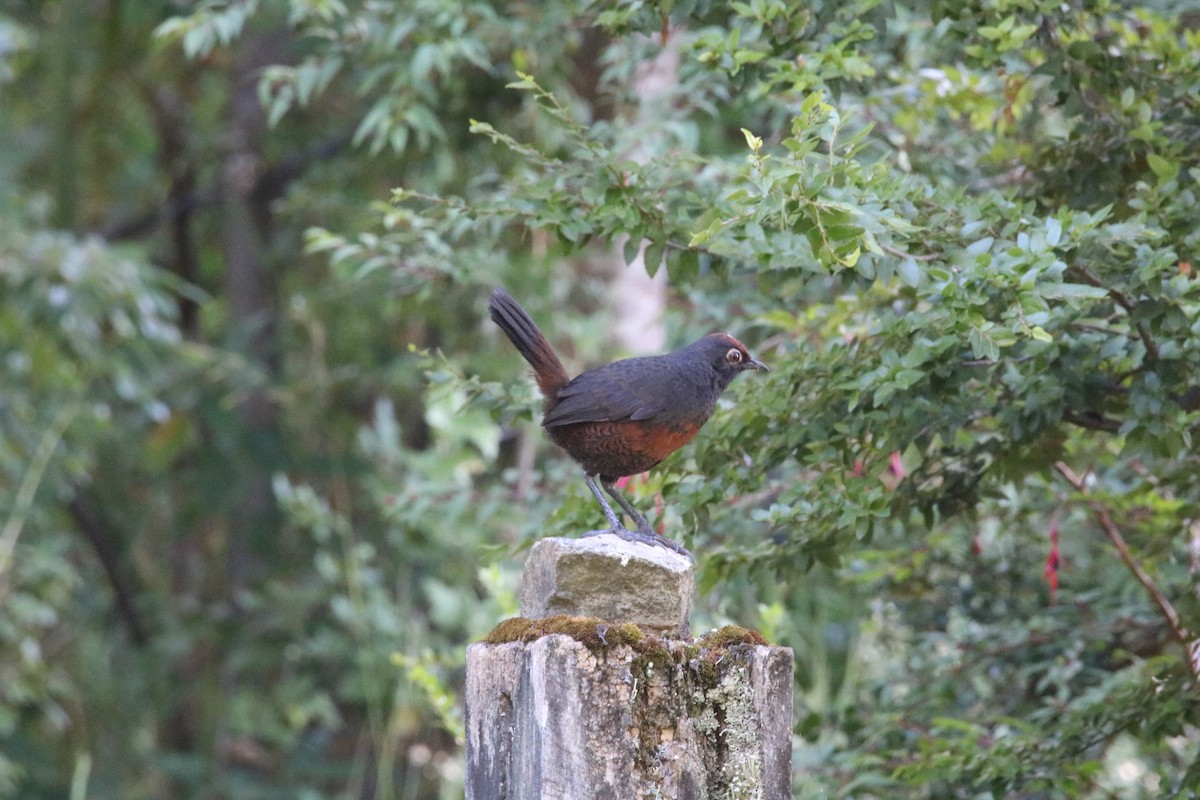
(643, 536)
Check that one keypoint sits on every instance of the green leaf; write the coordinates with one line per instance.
(653, 257)
(1164, 169)
(981, 246)
(630, 250)
(1076, 290)
(909, 272)
(1054, 231)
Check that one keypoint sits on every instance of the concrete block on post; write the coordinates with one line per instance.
(620, 702)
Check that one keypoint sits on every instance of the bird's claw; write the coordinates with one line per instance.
(644, 536)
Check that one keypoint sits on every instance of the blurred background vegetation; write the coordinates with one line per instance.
(265, 468)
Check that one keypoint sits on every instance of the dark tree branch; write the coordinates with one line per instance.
(270, 185)
(1178, 632)
(251, 288)
(173, 208)
(1091, 420)
(101, 538)
(1190, 400)
(275, 178)
(171, 120)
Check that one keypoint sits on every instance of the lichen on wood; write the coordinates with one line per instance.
(695, 718)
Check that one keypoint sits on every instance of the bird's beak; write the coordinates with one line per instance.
(757, 365)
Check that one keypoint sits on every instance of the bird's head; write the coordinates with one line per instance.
(729, 357)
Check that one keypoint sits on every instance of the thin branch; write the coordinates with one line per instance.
(1124, 301)
(1091, 420)
(683, 248)
(170, 209)
(1182, 635)
(1084, 326)
(269, 184)
(887, 248)
(991, 362)
(1119, 297)
(101, 537)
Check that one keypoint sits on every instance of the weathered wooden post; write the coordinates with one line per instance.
(597, 692)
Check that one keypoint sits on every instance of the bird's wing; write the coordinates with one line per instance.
(608, 394)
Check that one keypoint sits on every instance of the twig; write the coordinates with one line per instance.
(1124, 301)
(103, 541)
(887, 248)
(270, 184)
(1091, 420)
(683, 248)
(991, 362)
(1191, 648)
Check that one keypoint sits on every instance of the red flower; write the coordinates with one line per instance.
(1054, 561)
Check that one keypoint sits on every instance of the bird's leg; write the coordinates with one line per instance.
(644, 534)
(642, 525)
(613, 522)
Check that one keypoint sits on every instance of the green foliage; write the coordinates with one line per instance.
(213, 23)
(938, 348)
(241, 552)
(89, 346)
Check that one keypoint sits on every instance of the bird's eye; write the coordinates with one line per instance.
(733, 356)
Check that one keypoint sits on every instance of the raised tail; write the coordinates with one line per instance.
(523, 332)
